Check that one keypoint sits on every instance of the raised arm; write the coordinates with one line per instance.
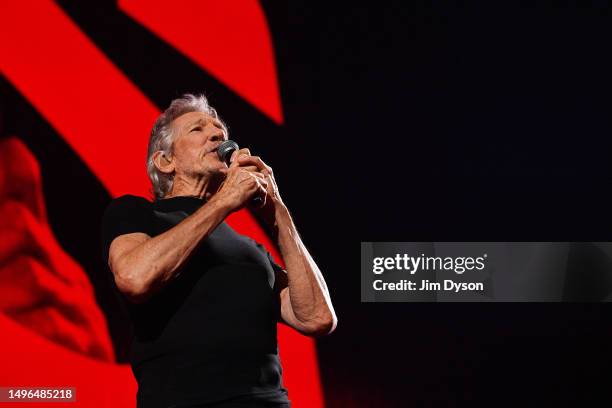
(305, 300)
(142, 265)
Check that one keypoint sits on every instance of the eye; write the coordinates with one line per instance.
(197, 129)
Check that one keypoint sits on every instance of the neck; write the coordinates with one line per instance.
(203, 189)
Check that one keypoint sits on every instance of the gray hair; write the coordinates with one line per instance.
(162, 137)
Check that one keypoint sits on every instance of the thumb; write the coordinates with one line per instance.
(234, 159)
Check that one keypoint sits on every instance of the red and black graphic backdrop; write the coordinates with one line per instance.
(401, 121)
(81, 84)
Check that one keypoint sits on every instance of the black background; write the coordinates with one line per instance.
(405, 121)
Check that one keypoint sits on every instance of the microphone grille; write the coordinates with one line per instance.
(225, 150)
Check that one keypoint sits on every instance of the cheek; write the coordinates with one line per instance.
(211, 160)
(186, 155)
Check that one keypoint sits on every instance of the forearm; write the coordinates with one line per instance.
(310, 299)
(151, 265)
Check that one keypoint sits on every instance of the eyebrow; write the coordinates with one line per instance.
(197, 122)
(216, 122)
(202, 122)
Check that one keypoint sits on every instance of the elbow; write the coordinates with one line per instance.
(130, 280)
(323, 326)
(135, 290)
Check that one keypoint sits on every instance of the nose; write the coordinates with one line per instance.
(220, 138)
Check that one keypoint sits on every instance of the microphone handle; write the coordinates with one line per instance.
(257, 201)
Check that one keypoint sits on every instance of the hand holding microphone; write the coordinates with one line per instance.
(251, 182)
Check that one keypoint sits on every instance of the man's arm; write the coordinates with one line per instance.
(142, 265)
(305, 301)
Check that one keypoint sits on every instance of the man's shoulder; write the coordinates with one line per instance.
(129, 199)
(128, 202)
(123, 215)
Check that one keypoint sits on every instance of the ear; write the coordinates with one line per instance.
(163, 163)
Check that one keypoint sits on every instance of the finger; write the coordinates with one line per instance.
(245, 172)
(256, 161)
(263, 197)
(241, 152)
(233, 163)
(237, 153)
(262, 192)
(250, 169)
(259, 181)
(245, 175)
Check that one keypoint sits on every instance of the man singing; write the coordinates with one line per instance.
(205, 300)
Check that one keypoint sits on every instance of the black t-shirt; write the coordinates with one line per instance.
(210, 334)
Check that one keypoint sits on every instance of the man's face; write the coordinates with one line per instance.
(198, 135)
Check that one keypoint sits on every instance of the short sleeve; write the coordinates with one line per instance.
(277, 268)
(124, 215)
(280, 275)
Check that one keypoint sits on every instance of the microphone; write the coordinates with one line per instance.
(224, 151)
